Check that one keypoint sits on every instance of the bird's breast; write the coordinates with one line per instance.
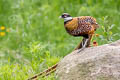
(71, 25)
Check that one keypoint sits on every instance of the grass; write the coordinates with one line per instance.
(35, 38)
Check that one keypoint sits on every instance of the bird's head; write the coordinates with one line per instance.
(66, 17)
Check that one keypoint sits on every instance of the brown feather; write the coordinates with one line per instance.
(80, 26)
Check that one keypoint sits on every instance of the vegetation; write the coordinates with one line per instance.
(32, 37)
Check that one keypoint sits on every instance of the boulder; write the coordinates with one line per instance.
(94, 63)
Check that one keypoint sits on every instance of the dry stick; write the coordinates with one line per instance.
(50, 72)
(45, 71)
(53, 68)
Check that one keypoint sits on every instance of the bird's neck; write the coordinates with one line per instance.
(67, 19)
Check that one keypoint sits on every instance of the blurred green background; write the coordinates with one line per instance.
(33, 38)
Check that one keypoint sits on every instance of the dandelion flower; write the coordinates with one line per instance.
(2, 33)
(2, 27)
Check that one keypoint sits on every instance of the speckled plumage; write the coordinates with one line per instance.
(80, 26)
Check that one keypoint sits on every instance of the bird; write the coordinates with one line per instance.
(84, 26)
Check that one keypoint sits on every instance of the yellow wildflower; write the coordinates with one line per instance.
(2, 27)
(2, 33)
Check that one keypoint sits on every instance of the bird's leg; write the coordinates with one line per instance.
(83, 46)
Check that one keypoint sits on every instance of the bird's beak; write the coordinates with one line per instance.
(60, 17)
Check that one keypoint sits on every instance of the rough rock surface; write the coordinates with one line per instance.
(95, 63)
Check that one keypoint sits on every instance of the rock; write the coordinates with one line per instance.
(95, 63)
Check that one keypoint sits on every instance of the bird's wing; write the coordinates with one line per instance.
(89, 19)
(85, 28)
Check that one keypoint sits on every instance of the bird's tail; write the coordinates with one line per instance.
(83, 42)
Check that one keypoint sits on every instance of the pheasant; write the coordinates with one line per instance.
(84, 26)
(80, 26)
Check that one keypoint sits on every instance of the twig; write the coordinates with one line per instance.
(46, 72)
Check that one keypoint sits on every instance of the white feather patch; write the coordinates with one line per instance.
(67, 19)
